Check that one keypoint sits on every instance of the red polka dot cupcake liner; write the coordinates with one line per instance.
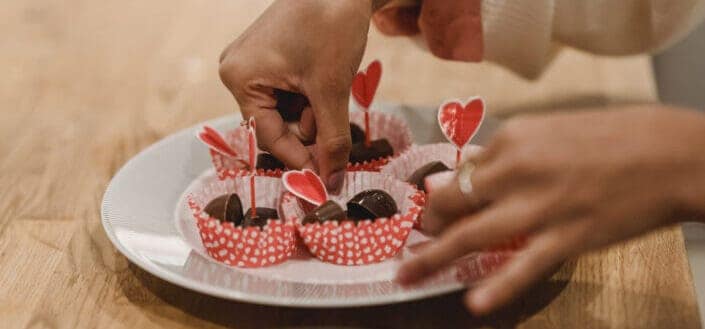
(481, 264)
(236, 246)
(230, 167)
(478, 266)
(419, 155)
(382, 125)
(365, 242)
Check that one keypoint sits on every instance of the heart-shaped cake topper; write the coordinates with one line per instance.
(364, 85)
(460, 122)
(306, 185)
(216, 142)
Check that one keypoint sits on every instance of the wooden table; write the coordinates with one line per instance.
(87, 84)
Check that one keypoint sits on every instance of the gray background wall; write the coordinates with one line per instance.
(680, 76)
(680, 71)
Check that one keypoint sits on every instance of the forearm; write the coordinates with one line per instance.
(534, 28)
(693, 190)
(523, 35)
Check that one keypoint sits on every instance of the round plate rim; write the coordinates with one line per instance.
(228, 293)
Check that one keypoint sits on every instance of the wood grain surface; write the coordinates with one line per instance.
(87, 84)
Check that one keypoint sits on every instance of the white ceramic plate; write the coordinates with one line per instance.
(144, 216)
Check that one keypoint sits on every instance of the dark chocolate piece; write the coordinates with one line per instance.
(379, 148)
(261, 217)
(267, 161)
(418, 178)
(357, 134)
(226, 207)
(290, 105)
(371, 204)
(330, 210)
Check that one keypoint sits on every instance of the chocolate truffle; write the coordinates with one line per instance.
(418, 178)
(330, 210)
(226, 207)
(371, 204)
(290, 105)
(261, 217)
(379, 148)
(357, 134)
(267, 161)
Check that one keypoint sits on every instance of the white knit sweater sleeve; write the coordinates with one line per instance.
(522, 35)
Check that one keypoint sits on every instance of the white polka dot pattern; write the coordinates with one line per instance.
(367, 242)
(237, 246)
(245, 247)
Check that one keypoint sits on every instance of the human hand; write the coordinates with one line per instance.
(292, 70)
(570, 183)
(451, 29)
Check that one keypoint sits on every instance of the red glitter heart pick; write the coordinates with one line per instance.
(306, 185)
(213, 140)
(364, 85)
(460, 122)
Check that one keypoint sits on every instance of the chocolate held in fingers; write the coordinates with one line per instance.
(330, 210)
(269, 162)
(371, 204)
(290, 105)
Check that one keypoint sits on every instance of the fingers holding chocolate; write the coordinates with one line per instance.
(274, 136)
(295, 109)
(332, 136)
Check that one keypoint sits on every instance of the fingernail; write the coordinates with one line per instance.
(335, 181)
(478, 301)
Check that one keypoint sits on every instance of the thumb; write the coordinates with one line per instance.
(332, 138)
(398, 19)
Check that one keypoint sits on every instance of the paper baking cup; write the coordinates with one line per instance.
(382, 125)
(237, 246)
(365, 242)
(419, 155)
(229, 167)
(478, 266)
(488, 261)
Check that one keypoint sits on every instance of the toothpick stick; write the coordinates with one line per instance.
(367, 129)
(252, 144)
